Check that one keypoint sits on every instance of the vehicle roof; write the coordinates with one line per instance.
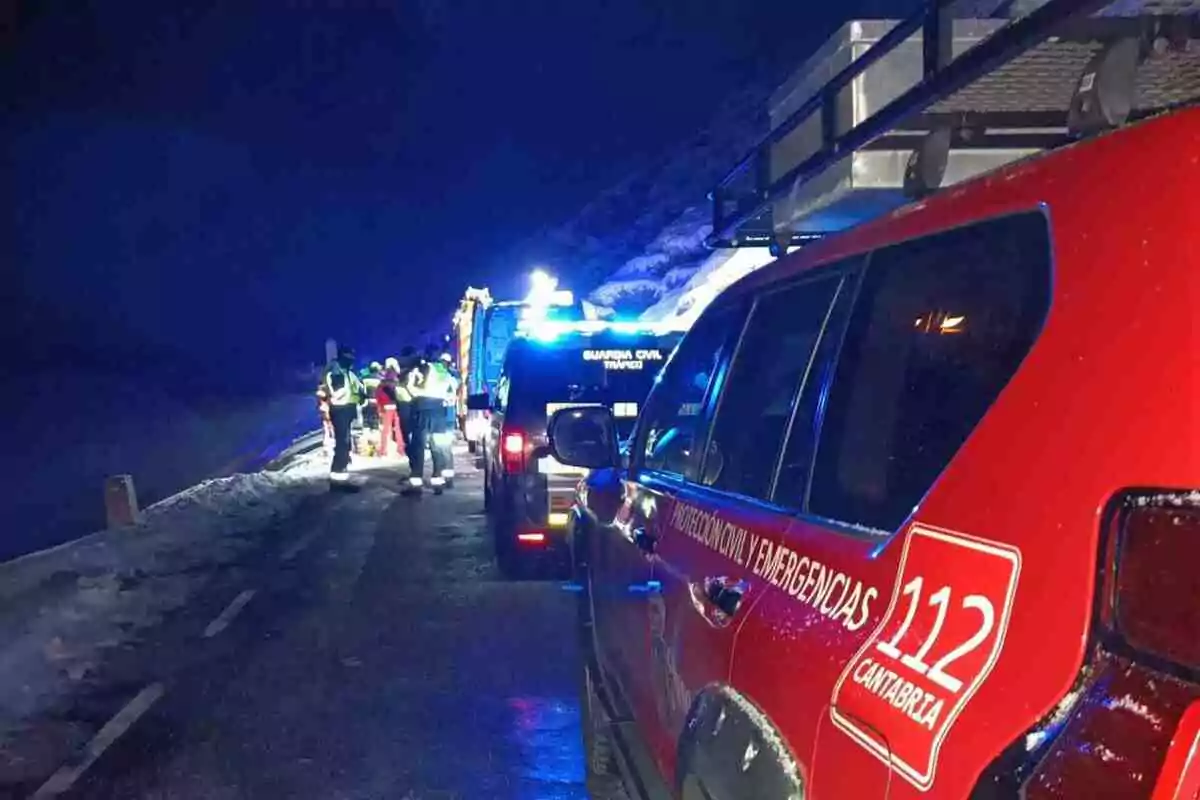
(1051, 181)
(1113, 379)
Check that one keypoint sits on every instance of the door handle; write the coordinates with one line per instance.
(725, 594)
(646, 542)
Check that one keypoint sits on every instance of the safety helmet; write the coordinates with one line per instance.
(376, 366)
(445, 358)
(392, 363)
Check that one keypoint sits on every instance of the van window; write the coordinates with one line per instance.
(764, 383)
(940, 326)
(672, 423)
(502, 385)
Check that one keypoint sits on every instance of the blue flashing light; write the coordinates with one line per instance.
(550, 329)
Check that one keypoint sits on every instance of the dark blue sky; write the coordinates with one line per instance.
(236, 184)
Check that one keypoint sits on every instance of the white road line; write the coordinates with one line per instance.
(222, 622)
(304, 541)
(62, 780)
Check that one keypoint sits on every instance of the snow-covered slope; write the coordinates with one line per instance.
(645, 237)
(639, 247)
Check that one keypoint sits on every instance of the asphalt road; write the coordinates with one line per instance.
(371, 650)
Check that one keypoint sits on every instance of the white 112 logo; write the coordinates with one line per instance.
(941, 601)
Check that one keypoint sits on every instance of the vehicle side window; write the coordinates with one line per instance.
(940, 326)
(764, 382)
(502, 387)
(672, 422)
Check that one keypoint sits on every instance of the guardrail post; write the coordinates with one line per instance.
(120, 501)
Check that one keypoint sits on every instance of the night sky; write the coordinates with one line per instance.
(229, 183)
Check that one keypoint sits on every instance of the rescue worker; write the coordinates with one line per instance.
(386, 400)
(371, 378)
(404, 399)
(345, 395)
(442, 391)
(430, 385)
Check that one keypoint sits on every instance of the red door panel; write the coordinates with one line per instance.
(823, 594)
(703, 561)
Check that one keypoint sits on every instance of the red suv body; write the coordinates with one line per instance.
(912, 512)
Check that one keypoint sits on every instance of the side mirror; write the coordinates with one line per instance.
(584, 436)
(479, 402)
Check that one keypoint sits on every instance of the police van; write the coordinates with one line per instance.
(914, 511)
(550, 365)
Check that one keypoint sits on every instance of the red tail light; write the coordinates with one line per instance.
(533, 537)
(512, 451)
(1156, 601)
(1111, 736)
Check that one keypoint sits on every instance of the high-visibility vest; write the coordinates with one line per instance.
(350, 393)
(436, 382)
(370, 384)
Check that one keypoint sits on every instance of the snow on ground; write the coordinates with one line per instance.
(61, 609)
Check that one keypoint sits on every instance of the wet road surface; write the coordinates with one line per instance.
(372, 651)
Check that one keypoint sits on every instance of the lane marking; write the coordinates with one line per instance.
(66, 776)
(222, 622)
(297, 546)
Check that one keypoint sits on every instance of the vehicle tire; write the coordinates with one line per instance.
(472, 446)
(508, 556)
(602, 776)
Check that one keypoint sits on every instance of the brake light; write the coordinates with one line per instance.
(1157, 586)
(1123, 726)
(532, 538)
(512, 451)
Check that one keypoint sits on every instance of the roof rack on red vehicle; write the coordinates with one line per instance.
(933, 99)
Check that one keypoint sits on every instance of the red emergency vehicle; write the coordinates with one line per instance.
(914, 512)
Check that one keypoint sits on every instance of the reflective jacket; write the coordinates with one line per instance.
(344, 387)
(434, 382)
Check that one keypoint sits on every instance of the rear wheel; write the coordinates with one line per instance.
(504, 539)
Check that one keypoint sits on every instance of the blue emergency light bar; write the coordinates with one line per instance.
(548, 330)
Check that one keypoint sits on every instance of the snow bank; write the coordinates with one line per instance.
(61, 609)
(73, 429)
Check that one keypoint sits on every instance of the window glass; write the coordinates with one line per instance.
(502, 393)
(940, 326)
(615, 370)
(763, 385)
(672, 423)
